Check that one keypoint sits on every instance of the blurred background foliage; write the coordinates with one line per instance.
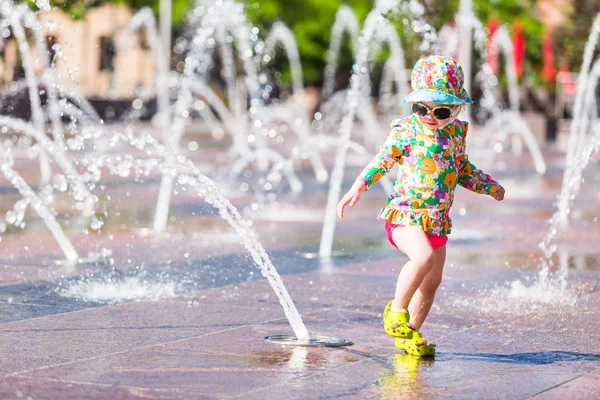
(311, 22)
(572, 37)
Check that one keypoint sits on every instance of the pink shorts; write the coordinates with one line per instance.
(435, 240)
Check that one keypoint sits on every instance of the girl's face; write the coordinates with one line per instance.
(433, 123)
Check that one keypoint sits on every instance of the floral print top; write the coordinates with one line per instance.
(432, 162)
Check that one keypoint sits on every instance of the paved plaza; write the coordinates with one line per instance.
(182, 315)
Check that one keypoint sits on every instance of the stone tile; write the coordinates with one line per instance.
(20, 388)
(348, 381)
(207, 365)
(583, 387)
(90, 333)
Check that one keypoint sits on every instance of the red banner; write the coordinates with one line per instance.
(518, 47)
(549, 68)
(492, 53)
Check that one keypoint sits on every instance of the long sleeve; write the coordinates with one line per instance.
(471, 177)
(390, 153)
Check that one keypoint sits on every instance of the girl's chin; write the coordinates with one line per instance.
(431, 125)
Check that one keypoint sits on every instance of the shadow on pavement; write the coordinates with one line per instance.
(537, 358)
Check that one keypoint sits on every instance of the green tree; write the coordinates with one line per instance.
(311, 22)
(572, 39)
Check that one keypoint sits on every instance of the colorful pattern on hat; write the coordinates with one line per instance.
(439, 79)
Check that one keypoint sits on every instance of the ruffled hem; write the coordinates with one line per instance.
(419, 218)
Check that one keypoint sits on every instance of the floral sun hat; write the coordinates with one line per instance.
(439, 79)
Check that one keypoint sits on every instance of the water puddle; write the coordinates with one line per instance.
(406, 379)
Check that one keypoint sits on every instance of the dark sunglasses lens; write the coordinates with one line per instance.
(420, 110)
(442, 113)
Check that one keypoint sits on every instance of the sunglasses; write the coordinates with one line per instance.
(440, 113)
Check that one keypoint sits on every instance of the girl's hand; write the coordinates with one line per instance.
(350, 198)
(499, 194)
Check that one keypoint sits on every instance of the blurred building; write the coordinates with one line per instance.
(554, 13)
(90, 63)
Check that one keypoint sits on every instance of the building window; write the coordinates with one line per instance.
(51, 40)
(107, 53)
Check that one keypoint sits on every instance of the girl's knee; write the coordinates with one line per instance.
(432, 282)
(425, 260)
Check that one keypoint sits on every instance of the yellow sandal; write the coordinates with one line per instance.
(414, 347)
(395, 323)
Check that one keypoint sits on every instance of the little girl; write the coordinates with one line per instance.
(429, 147)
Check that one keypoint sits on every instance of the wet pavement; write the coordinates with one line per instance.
(182, 315)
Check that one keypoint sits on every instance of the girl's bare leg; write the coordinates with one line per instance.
(413, 242)
(422, 300)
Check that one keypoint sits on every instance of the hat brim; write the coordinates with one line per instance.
(437, 96)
